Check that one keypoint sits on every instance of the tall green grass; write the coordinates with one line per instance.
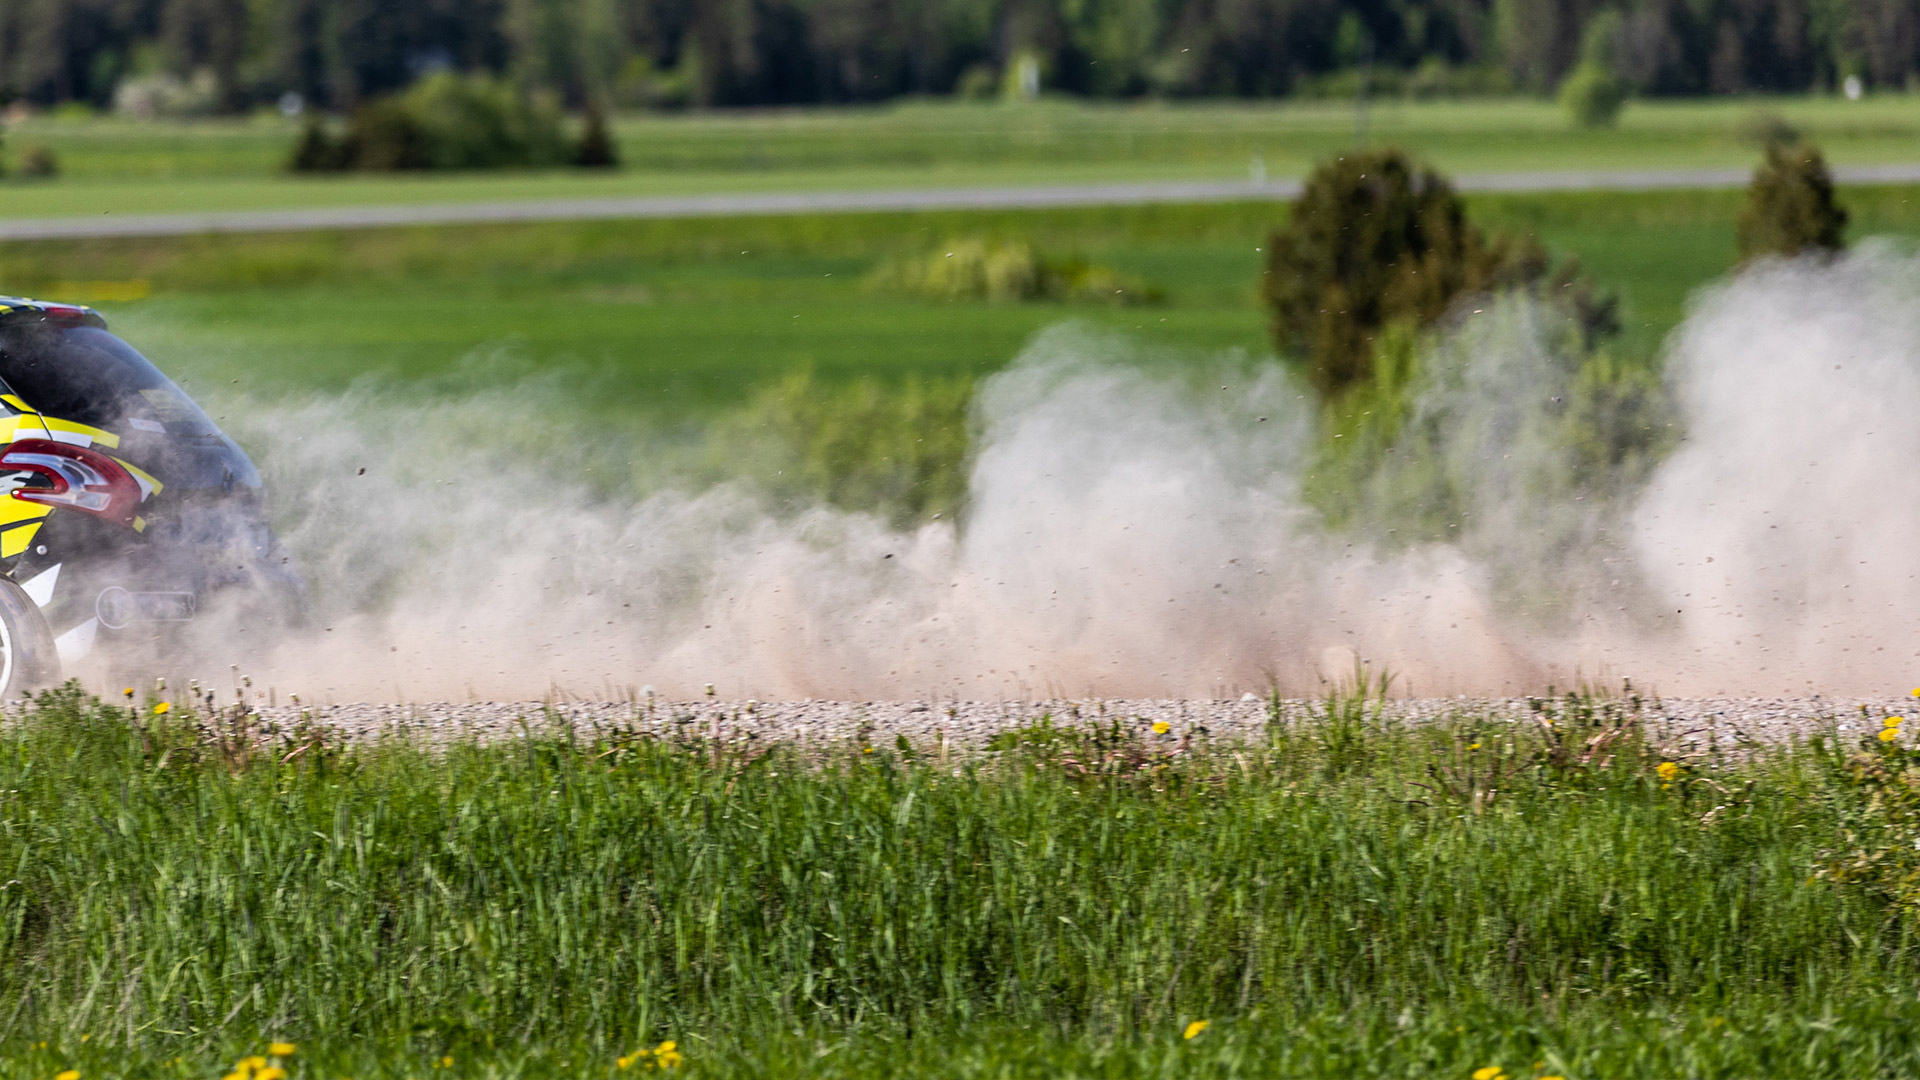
(1344, 895)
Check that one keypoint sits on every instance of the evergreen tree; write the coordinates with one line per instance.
(1790, 207)
(1594, 93)
(1372, 240)
(1375, 242)
(596, 149)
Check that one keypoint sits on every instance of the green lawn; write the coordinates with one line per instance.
(119, 166)
(675, 314)
(700, 314)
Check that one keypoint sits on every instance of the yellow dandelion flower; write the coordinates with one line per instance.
(1667, 770)
(162, 708)
(866, 750)
(447, 1062)
(1916, 691)
(1889, 734)
(70, 1074)
(1491, 1072)
(1893, 721)
(271, 1072)
(1196, 1028)
(129, 692)
(281, 1049)
(1554, 1077)
(667, 1055)
(626, 1062)
(1161, 727)
(250, 1064)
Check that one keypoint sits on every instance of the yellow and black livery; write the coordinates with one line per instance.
(123, 508)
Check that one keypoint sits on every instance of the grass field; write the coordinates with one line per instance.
(1345, 897)
(699, 314)
(121, 166)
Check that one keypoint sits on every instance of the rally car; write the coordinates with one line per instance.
(123, 509)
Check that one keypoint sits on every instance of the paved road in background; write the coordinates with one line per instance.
(832, 202)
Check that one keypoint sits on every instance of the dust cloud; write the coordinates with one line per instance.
(1138, 528)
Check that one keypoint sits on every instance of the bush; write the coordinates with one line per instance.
(981, 82)
(445, 121)
(1594, 93)
(38, 162)
(476, 122)
(1790, 205)
(317, 150)
(1593, 96)
(596, 149)
(979, 269)
(165, 94)
(383, 136)
(1373, 241)
(897, 450)
(1508, 437)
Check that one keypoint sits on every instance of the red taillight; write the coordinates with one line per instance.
(63, 312)
(78, 478)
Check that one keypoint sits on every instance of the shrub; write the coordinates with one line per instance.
(596, 149)
(980, 269)
(981, 82)
(1593, 93)
(1374, 240)
(384, 137)
(317, 150)
(476, 122)
(445, 121)
(39, 162)
(1509, 436)
(893, 449)
(166, 94)
(1790, 205)
(1593, 96)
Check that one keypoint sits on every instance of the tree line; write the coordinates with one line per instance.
(337, 53)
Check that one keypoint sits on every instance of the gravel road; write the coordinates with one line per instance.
(1690, 721)
(830, 202)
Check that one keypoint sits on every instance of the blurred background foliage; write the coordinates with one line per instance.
(977, 268)
(225, 56)
(444, 121)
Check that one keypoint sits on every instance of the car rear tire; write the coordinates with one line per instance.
(28, 659)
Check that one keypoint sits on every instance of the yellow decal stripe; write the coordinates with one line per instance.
(14, 511)
(149, 486)
(27, 426)
(15, 540)
(104, 438)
